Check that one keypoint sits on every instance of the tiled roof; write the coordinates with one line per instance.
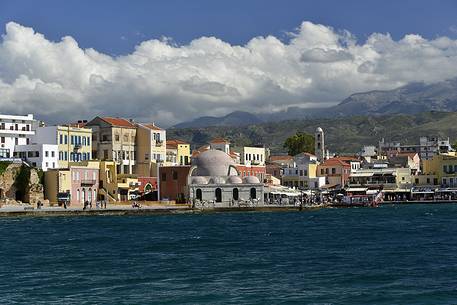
(118, 122)
(280, 158)
(173, 143)
(336, 161)
(152, 126)
(218, 141)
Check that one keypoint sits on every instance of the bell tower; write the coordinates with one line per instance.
(319, 144)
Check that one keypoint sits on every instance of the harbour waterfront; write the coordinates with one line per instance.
(393, 254)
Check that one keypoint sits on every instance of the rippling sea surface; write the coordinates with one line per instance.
(386, 255)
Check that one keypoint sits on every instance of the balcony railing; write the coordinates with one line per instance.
(88, 182)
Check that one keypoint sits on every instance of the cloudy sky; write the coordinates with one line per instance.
(171, 61)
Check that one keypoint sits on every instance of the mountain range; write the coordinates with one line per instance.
(412, 98)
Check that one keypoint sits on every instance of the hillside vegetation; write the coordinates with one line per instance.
(343, 135)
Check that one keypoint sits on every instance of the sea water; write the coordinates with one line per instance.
(387, 255)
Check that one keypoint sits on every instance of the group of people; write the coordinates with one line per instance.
(99, 204)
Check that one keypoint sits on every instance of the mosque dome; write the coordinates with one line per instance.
(199, 180)
(213, 163)
(234, 180)
(216, 180)
(251, 179)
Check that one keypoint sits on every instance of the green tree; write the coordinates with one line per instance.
(298, 143)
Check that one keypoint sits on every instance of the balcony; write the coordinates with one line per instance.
(77, 146)
(159, 143)
(88, 182)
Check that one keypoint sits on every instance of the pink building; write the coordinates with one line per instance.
(84, 184)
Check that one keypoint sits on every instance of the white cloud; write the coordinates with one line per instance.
(169, 83)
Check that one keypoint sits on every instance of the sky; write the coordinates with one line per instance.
(171, 61)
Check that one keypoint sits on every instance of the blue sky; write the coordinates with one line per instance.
(115, 27)
(69, 60)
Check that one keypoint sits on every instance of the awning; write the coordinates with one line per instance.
(356, 189)
(368, 174)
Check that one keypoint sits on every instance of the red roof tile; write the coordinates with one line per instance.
(152, 126)
(218, 141)
(118, 122)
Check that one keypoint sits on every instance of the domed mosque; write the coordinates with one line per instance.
(214, 178)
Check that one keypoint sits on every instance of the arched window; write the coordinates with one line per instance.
(148, 188)
(253, 193)
(235, 194)
(83, 196)
(198, 194)
(89, 195)
(218, 195)
(77, 195)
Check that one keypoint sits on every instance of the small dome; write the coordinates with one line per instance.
(199, 180)
(216, 180)
(318, 129)
(251, 179)
(234, 180)
(213, 163)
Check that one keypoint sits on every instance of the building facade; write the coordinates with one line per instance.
(178, 153)
(114, 139)
(151, 149)
(15, 130)
(42, 156)
(74, 143)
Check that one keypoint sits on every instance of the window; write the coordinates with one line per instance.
(333, 171)
(253, 193)
(175, 175)
(16, 141)
(218, 194)
(88, 141)
(46, 153)
(235, 194)
(53, 154)
(164, 176)
(65, 138)
(65, 156)
(2, 139)
(116, 137)
(72, 140)
(105, 154)
(61, 139)
(198, 194)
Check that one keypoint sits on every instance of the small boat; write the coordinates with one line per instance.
(372, 200)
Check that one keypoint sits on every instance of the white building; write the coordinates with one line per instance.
(15, 130)
(220, 144)
(253, 156)
(43, 156)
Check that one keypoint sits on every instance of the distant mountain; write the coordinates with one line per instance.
(342, 134)
(409, 99)
(237, 118)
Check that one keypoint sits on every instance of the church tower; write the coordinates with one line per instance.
(319, 144)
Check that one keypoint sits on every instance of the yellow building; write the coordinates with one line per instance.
(151, 149)
(116, 187)
(178, 153)
(74, 142)
(443, 167)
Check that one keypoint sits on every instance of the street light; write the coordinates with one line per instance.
(158, 162)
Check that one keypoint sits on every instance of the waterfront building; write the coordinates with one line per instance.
(178, 152)
(74, 142)
(303, 173)
(79, 183)
(407, 160)
(42, 156)
(214, 180)
(151, 149)
(114, 139)
(174, 183)
(15, 130)
(337, 170)
(443, 168)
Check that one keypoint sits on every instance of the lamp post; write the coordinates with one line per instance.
(159, 162)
